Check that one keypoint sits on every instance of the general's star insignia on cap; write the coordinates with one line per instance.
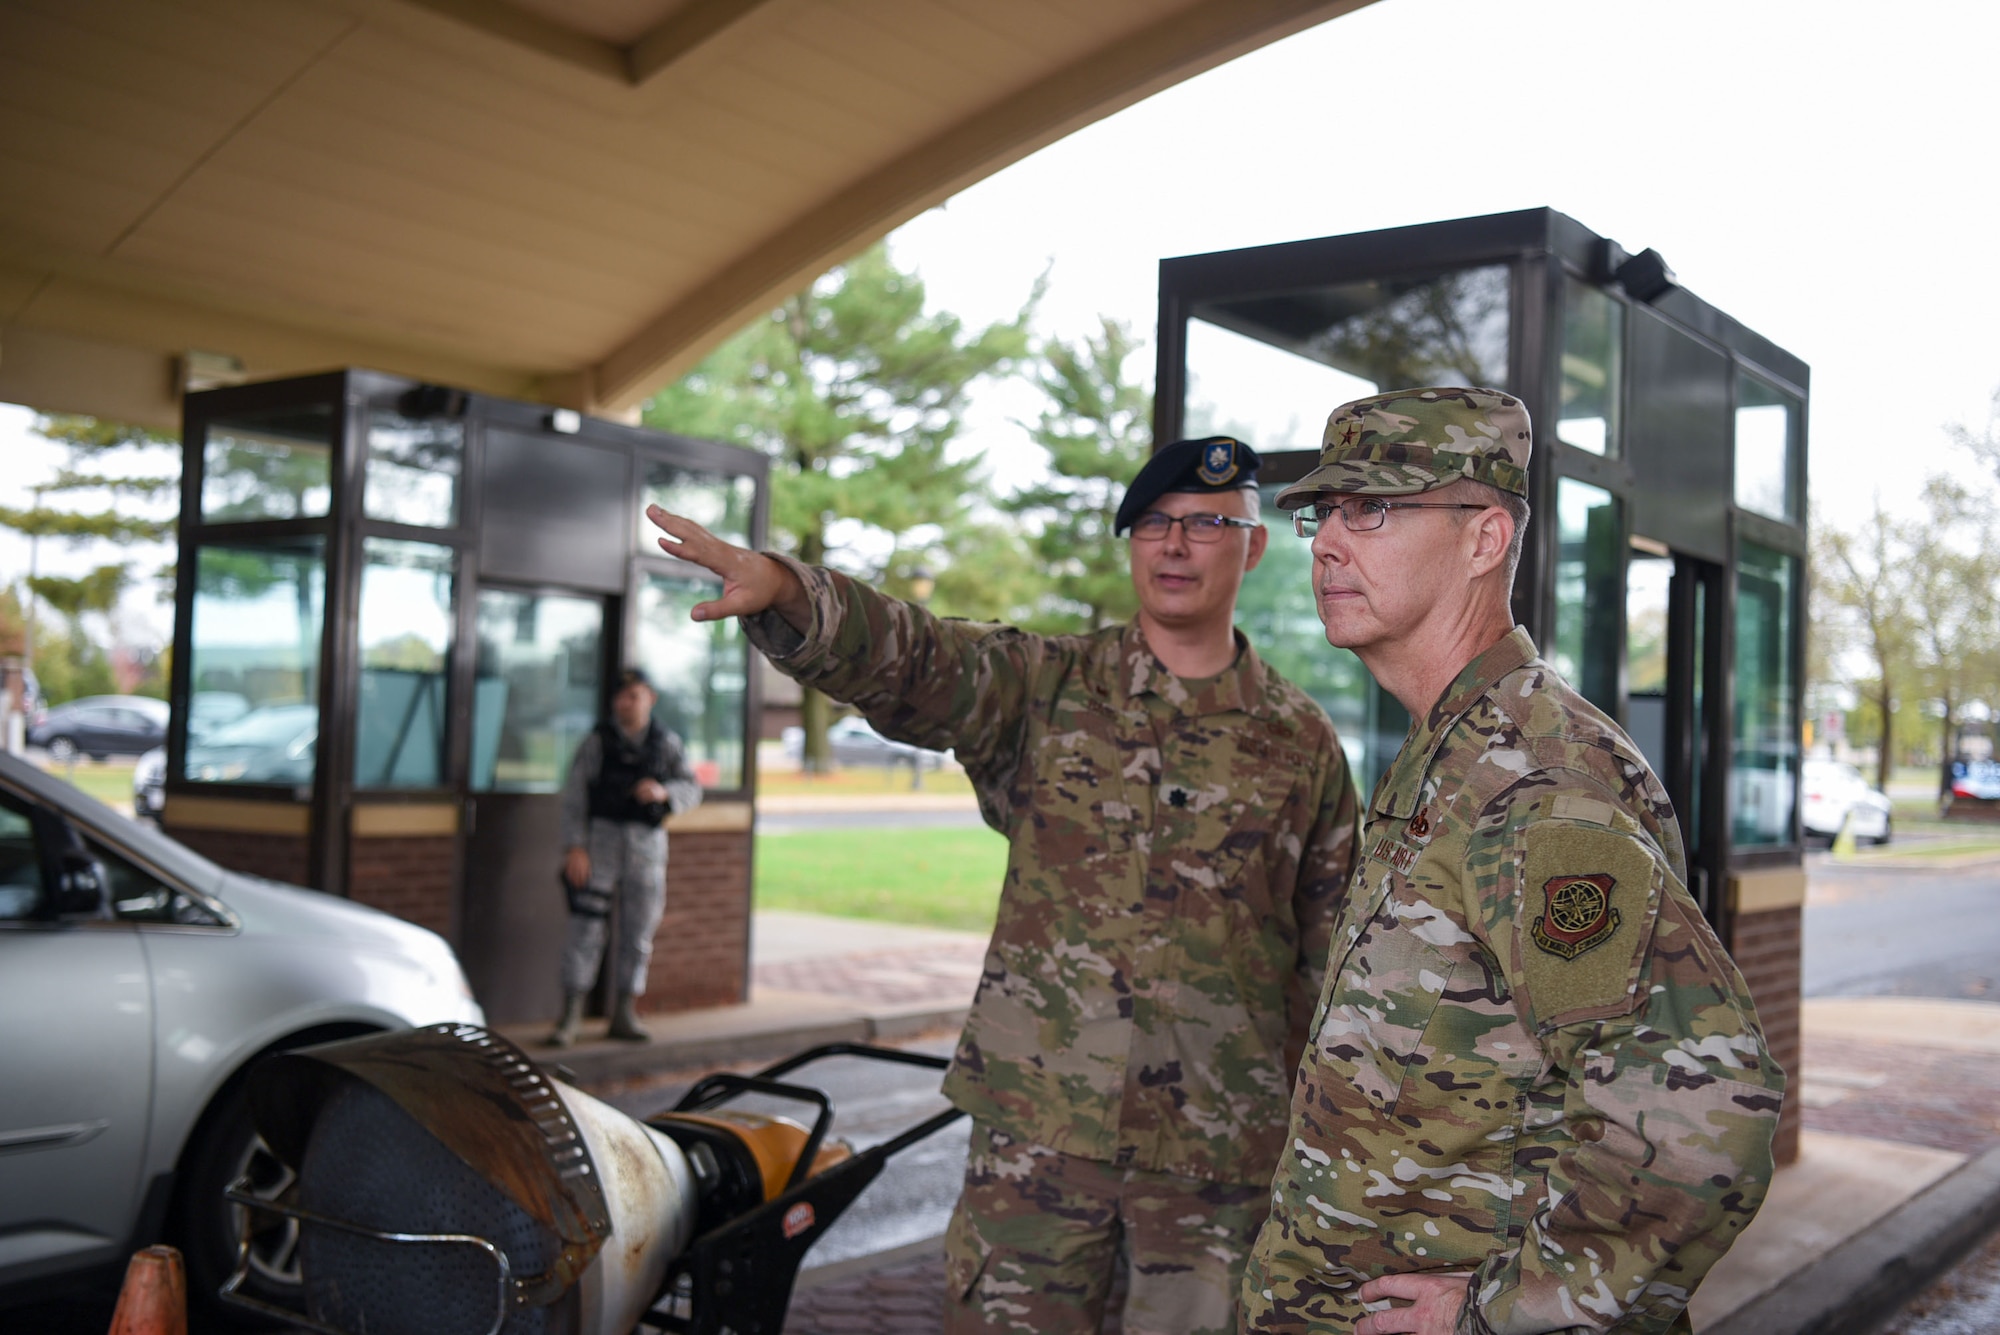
(1579, 914)
(1218, 463)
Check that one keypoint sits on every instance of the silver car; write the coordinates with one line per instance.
(138, 981)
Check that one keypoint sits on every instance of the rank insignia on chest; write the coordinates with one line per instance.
(1177, 796)
(1421, 826)
(1577, 916)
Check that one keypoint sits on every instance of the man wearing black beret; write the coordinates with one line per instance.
(1181, 826)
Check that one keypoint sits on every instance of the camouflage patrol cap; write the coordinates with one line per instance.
(1411, 440)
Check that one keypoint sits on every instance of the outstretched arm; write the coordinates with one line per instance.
(751, 581)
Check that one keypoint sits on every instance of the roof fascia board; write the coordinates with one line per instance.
(675, 37)
(683, 32)
(537, 34)
(1193, 40)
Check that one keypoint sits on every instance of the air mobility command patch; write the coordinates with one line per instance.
(1577, 914)
(1588, 898)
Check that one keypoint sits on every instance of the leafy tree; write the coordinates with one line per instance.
(1096, 427)
(1861, 578)
(89, 445)
(1950, 566)
(856, 391)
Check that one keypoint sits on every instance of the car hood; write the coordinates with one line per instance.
(260, 906)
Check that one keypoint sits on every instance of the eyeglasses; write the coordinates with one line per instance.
(1361, 514)
(1152, 526)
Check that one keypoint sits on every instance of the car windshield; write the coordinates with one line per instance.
(274, 726)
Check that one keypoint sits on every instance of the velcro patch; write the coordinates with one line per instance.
(1587, 900)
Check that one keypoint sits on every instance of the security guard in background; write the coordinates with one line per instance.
(629, 774)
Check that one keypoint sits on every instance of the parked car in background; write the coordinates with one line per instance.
(149, 784)
(853, 742)
(272, 744)
(138, 982)
(209, 710)
(1976, 779)
(101, 726)
(1835, 793)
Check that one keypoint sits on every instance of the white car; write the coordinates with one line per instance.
(138, 982)
(1835, 792)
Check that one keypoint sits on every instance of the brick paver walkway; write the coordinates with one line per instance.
(943, 974)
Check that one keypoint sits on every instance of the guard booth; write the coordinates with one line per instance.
(400, 607)
(1663, 568)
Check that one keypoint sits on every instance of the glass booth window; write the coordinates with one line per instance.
(1764, 754)
(405, 639)
(702, 672)
(1649, 582)
(539, 677)
(413, 468)
(269, 465)
(1272, 368)
(1592, 368)
(1590, 589)
(719, 502)
(253, 669)
(1766, 425)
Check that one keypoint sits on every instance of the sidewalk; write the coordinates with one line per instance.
(1901, 1098)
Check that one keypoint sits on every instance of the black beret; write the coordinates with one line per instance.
(1213, 463)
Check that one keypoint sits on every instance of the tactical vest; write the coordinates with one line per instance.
(625, 762)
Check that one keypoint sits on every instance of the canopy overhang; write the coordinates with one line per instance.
(563, 200)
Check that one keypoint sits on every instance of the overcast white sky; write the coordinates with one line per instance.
(1820, 169)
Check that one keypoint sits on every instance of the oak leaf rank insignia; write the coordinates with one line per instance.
(1577, 914)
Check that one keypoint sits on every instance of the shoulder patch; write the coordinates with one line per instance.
(1587, 900)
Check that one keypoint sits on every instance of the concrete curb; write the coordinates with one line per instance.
(1862, 1282)
(602, 1062)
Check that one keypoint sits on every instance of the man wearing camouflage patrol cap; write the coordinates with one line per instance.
(1536, 1096)
(1180, 826)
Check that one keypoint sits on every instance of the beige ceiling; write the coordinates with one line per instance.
(569, 200)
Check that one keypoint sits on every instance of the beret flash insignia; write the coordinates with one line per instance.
(1218, 463)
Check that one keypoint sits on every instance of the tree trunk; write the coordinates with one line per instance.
(1885, 761)
(815, 712)
(1946, 750)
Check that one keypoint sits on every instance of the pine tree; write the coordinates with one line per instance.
(857, 392)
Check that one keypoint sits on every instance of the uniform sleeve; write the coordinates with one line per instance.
(1656, 1069)
(1325, 867)
(576, 791)
(683, 789)
(917, 678)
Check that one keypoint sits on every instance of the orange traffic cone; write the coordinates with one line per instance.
(154, 1299)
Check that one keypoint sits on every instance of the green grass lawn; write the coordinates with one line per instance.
(109, 783)
(932, 878)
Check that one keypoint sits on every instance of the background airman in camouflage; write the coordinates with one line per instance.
(1181, 826)
(1536, 1096)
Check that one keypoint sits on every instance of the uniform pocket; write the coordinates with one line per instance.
(1393, 984)
(965, 1256)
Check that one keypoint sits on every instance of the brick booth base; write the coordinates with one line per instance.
(414, 877)
(1766, 948)
(282, 857)
(701, 952)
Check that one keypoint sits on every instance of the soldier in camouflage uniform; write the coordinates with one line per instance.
(1181, 826)
(1536, 1096)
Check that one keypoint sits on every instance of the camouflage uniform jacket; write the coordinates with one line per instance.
(1177, 853)
(1534, 1061)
